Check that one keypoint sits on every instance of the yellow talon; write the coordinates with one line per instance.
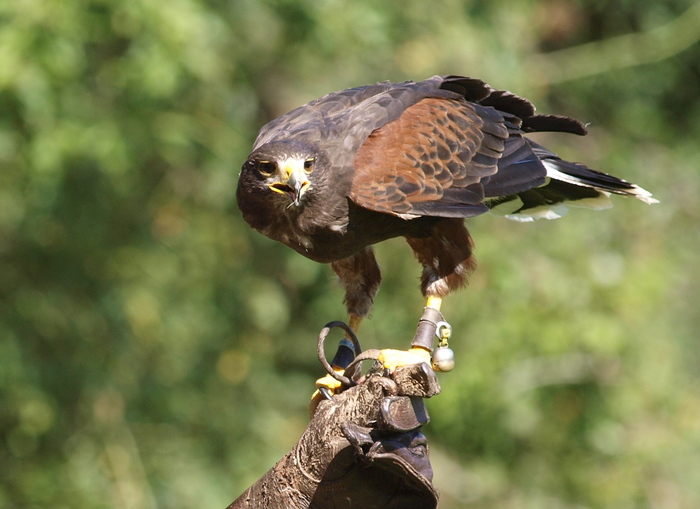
(327, 382)
(392, 359)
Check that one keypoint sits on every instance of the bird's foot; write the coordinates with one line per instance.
(392, 359)
(336, 380)
(326, 387)
(328, 384)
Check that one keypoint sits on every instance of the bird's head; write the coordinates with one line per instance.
(284, 168)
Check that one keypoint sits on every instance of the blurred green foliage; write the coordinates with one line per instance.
(155, 352)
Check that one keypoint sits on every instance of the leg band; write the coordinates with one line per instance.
(427, 326)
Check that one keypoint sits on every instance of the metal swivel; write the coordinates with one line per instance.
(443, 356)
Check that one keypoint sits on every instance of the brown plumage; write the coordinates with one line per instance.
(359, 166)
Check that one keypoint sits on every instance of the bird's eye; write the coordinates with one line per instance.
(266, 168)
(309, 165)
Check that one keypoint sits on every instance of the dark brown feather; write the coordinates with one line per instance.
(406, 166)
(449, 242)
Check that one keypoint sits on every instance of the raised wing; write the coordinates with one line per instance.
(348, 117)
(431, 160)
(315, 114)
(452, 155)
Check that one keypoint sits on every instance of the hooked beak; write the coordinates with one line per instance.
(293, 181)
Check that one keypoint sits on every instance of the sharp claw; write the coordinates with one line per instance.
(326, 387)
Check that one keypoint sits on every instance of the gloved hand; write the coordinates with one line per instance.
(363, 449)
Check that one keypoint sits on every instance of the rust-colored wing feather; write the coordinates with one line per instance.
(431, 160)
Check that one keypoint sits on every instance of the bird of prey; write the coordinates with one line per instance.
(353, 168)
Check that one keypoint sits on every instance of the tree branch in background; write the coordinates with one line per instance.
(618, 52)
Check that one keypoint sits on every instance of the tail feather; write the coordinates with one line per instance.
(532, 182)
(566, 184)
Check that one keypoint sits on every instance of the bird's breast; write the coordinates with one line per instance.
(340, 236)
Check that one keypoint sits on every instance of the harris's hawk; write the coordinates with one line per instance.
(412, 160)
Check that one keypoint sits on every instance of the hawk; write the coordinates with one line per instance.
(356, 167)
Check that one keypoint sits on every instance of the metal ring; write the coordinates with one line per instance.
(371, 354)
(440, 325)
(322, 353)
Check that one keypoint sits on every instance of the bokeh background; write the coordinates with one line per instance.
(156, 353)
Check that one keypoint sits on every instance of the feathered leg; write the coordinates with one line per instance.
(446, 257)
(447, 260)
(360, 277)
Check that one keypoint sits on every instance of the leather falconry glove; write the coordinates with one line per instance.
(363, 449)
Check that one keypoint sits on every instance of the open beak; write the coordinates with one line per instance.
(293, 181)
